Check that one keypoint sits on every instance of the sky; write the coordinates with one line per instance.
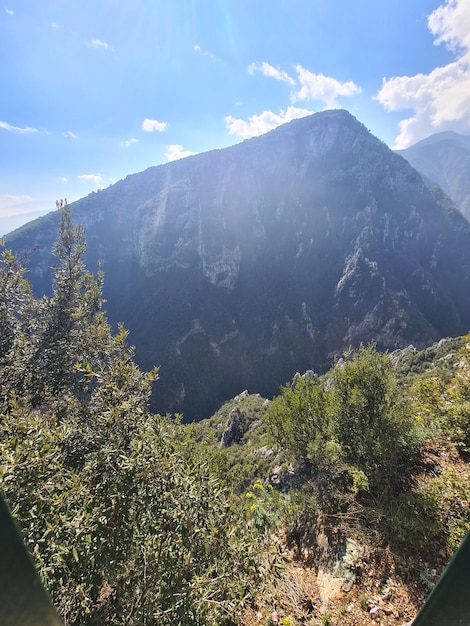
(94, 90)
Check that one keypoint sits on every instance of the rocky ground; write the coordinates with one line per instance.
(359, 584)
(311, 595)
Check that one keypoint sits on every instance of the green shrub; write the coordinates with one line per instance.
(450, 495)
(371, 425)
(457, 405)
(298, 419)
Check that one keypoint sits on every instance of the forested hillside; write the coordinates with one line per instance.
(340, 499)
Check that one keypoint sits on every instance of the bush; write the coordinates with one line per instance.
(299, 420)
(371, 425)
(457, 406)
(133, 533)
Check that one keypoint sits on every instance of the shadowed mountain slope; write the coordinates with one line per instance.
(445, 159)
(235, 268)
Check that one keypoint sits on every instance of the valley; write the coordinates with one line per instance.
(300, 456)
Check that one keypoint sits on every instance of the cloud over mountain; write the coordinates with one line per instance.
(440, 100)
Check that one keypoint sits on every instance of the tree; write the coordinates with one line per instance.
(372, 427)
(298, 418)
(15, 293)
(71, 329)
(15, 303)
(44, 338)
(124, 527)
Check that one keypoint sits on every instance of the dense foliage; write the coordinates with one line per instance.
(124, 526)
(363, 436)
(348, 423)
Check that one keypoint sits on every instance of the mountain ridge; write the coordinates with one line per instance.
(444, 158)
(235, 268)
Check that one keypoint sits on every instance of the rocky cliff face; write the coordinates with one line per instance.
(235, 268)
(445, 159)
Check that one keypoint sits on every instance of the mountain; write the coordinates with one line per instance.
(445, 159)
(236, 268)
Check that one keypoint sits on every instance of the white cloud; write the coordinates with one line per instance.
(63, 179)
(322, 88)
(308, 85)
(149, 126)
(128, 142)
(97, 43)
(450, 24)
(96, 179)
(54, 26)
(205, 53)
(260, 124)
(12, 204)
(16, 210)
(273, 72)
(9, 11)
(17, 129)
(70, 134)
(439, 100)
(175, 151)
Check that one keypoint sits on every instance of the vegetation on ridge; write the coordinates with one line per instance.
(136, 518)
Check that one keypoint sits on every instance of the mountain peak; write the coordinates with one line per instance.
(331, 120)
(436, 138)
(236, 268)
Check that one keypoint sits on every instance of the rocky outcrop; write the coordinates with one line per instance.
(234, 431)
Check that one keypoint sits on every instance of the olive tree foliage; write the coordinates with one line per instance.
(124, 530)
(123, 526)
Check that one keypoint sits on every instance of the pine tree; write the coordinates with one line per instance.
(43, 339)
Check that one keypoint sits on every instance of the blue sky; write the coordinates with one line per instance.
(92, 91)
